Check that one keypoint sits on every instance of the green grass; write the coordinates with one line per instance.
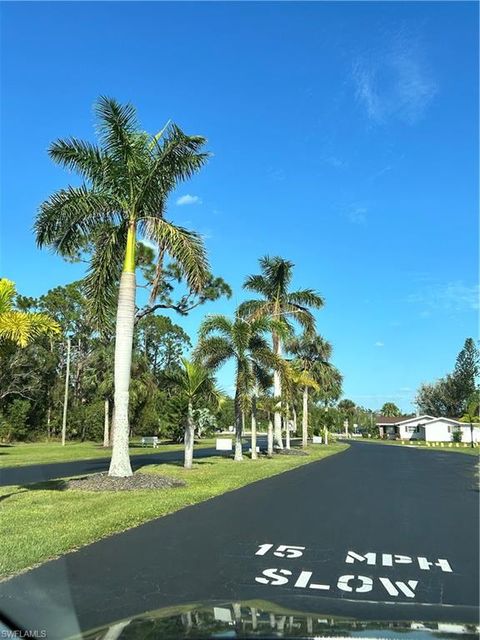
(475, 451)
(44, 521)
(21, 454)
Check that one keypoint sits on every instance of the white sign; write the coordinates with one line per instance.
(317, 439)
(224, 444)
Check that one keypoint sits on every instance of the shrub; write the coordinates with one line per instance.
(457, 435)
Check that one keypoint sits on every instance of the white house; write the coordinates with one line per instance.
(427, 428)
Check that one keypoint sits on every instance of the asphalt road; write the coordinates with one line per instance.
(371, 527)
(50, 471)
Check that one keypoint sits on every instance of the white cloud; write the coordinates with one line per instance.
(188, 199)
(453, 297)
(148, 243)
(336, 162)
(379, 344)
(276, 175)
(357, 215)
(394, 82)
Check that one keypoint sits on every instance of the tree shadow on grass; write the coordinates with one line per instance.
(48, 485)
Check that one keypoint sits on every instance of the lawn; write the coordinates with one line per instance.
(20, 454)
(45, 520)
(448, 446)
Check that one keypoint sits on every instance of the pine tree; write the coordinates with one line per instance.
(467, 369)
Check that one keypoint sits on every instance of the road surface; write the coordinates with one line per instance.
(34, 473)
(346, 536)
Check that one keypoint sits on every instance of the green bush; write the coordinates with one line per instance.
(457, 435)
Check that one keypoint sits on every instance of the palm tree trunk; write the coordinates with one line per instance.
(270, 437)
(112, 427)
(254, 429)
(305, 417)
(238, 430)
(287, 428)
(189, 437)
(294, 413)
(277, 392)
(106, 424)
(120, 461)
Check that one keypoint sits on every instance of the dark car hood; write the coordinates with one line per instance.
(260, 619)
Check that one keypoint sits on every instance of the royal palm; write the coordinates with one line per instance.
(244, 342)
(197, 385)
(312, 354)
(127, 179)
(282, 305)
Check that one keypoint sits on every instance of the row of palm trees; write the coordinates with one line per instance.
(254, 340)
(127, 179)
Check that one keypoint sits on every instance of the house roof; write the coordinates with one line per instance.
(390, 420)
(426, 419)
(451, 420)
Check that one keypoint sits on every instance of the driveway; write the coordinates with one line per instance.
(347, 536)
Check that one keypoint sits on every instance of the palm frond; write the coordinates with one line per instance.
(7, 294)
(305, 298)
(103, 277)
(117, 128)
(77, 155)
(214, 351)
(216, 323)
(68, 218)
(21, 327)
(185, 247)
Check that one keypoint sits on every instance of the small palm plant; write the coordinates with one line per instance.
(197, 384)
(21, 327)
(127, 180)
(222, 339)
(281, 305)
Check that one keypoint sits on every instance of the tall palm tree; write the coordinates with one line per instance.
(21, 327)
(282, 305)
(127, 179)
(312, 354)
(222, 339)
(196, 383)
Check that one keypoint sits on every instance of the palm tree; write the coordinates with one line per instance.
(293, 377)
(268, 405)
(390, 410)
(472, 413)
(127, 180)
(281, 305)
(196, 383)
(242, 341)
(312, 353)
(21, 327)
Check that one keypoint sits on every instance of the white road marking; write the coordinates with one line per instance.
(408, 591)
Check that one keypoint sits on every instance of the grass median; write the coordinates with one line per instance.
(430, 446)
(27, 453)
(46, 520)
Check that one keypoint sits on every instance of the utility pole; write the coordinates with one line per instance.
(65, 399)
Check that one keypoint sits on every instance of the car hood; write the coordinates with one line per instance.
(260, 619)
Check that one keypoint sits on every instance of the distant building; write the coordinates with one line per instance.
(428, 428)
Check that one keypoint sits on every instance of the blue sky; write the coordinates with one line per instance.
(345, 138)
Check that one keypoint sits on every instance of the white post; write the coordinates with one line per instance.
(65, 398)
